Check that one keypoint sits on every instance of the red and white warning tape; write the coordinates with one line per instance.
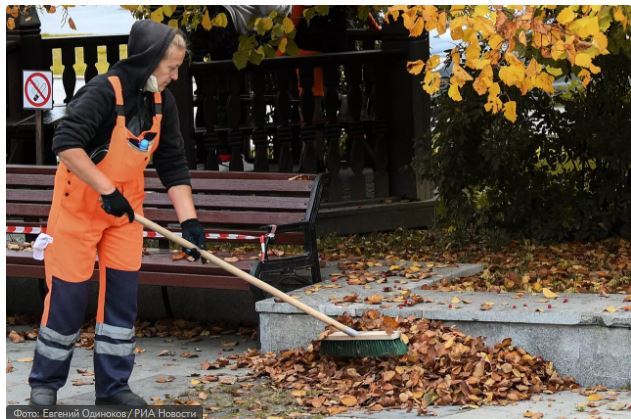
(148, 234)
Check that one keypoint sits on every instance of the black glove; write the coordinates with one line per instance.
(116, 204)
(193, 231)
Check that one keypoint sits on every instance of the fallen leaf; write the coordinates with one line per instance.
(533, 415)
(486, 305)
(202, 395)
(348, 400)
(80, 382)
(549, 294)
(374, 299)
(27, 359)
(189, 355)
(9, 367)
(611, 309)
(166, 352)
(15, 337)
(228, 379)
(231, 259)
(594, 397)
(165, 379)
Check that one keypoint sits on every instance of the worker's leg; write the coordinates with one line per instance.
(120, 252)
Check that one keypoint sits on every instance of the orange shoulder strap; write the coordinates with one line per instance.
(118, 91)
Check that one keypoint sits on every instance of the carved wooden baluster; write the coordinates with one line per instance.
(207, 88)
(259, 134)
(284, 133)
(90, 57)
(308, 158)
(332, 132)
(356, 131)
(233, 109)
(69, 77)
(380, 147)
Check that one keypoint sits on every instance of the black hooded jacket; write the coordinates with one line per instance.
(91, 114)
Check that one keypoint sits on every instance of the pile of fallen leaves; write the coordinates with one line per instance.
(593, 267)
(443, 366)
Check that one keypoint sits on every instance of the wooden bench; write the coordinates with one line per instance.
(243, 203)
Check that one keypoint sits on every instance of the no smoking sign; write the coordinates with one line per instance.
(37, 89)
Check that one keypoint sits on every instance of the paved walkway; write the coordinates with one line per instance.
(162, 374)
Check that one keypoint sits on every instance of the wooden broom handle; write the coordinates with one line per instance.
(246, 276)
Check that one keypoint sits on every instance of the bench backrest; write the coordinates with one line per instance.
(226, 202)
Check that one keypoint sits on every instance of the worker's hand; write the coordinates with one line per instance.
(116, 204)
(193, 231)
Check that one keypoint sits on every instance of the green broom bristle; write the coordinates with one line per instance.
(363, 348)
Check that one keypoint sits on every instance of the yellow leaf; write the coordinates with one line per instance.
(582, 59)
(433, 61)
(567, 15)
(415, 67)
(173, 23)
(220, 20)
(442, 23)
(510, 110)
(455, 300)
(404, 338)
(512, 75)
(585, 27)
(600, 41)
(10, 23)
(495, 41)
(282, 45)
(195, 382)
(206, 22)
(157, 15)
(611, 309)
(461, 75)
(298, 393)
(431, 82)
(555, 71)
(168, 10)
(549, 294)
(594, 397)
(288, 25)
(417, 28)
(480, 10)
(545, 82)
(454, 93)
(594, 69)
(558, 50)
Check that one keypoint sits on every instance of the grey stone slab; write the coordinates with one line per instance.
(573, 330)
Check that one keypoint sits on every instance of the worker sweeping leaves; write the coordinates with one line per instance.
(116, 123)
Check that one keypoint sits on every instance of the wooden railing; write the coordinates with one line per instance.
(360, 132)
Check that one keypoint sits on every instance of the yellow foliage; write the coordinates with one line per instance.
(415, 67)
(582, 59)
(512, 75)
(220, 20)
(282, 45)
(288, 25)
(431, 82)
(206, 22)
(510, 110)
(453, 92)
(585, 27)
(585, 77)
(567, 15)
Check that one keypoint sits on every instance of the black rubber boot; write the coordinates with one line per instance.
(43, 396)
(123, 398)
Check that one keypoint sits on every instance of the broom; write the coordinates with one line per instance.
(348, 342)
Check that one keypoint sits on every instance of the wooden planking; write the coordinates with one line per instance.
(155, 270)
(258, 186)
(201, 201)
(198, 174)
(147, 278)
(216, 217)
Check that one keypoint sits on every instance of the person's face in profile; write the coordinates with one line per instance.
(167, 70)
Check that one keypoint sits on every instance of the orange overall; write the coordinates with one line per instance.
(80, 229)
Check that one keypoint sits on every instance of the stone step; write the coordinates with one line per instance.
(574, 331)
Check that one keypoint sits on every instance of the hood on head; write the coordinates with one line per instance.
(148, 41)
